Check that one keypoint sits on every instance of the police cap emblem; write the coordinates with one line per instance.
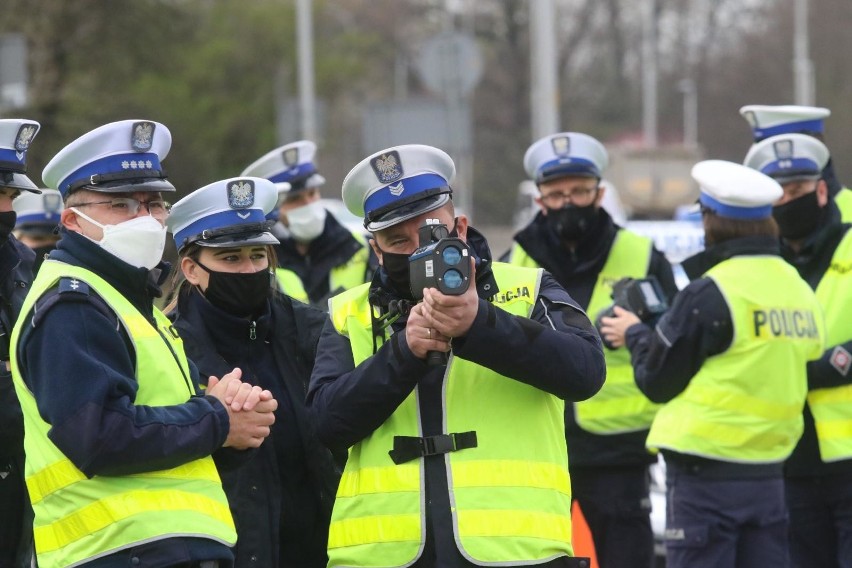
(142, 136)
(783, 149)
(52, 202)
(561, 145)
(290, 157)
(25, 135)
(387, 167)
(241, 194)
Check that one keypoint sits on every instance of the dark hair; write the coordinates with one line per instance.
(719, 229)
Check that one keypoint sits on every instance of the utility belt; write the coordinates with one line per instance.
(708, 468)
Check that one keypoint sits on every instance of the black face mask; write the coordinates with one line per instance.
(396, 268)
(571, 223)
(40, 253)
(239, 294)
(7, 223)
(798, 218)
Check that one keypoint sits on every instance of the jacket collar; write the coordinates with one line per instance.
(139, 285)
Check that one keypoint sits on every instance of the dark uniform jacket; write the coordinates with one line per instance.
(697, 326)
(281, 499)
(577, 271)
(812, 262)
(334, 246)
(16, 263)
(80, 365)
(556, 350)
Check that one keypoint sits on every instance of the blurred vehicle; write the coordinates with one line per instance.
(678, 240)
(658, 510)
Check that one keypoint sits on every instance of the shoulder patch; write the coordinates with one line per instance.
(72, 285)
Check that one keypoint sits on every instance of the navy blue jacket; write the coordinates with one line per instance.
(281, 499)
(577, 271)
(556, 350)
(80, 365)
(16, 262)
(334, 246)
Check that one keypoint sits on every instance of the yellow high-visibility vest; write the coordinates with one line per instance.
(77, 518)
(745, 405)
(832, 407)
(511, 494)
(619, 406)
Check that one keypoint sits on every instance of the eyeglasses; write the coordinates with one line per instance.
(577, 196)
(129, 207)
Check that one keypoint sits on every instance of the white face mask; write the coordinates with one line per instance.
(306, 222)
(138, 242)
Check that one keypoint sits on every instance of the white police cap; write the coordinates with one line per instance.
(788, 157)
(769, 120)
(291, 167)
(398, 184)
(735, 191)
(121, 156)
(565, 154)
(16, 135)
(38, 213)
(226, 213)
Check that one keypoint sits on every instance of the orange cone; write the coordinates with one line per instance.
(582, 536)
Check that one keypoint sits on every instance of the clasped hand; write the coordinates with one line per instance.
(250, 409)
(440, 317)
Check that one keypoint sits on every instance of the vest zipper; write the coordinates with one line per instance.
(253, 330)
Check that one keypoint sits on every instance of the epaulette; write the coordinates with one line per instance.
(70, 289)
(69, 285)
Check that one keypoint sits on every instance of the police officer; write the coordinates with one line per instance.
(118, 441)
(318, 257)
(576, 240)
(230, 314)
(456, 464)
(768, 120)
(813, 240)
(728, 360)
(16, 262)
(37, 223)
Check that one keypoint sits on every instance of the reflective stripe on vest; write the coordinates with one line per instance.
(843, 199)
(78, 519)
(832, 408)
(619, 406)
(745, 404)
(378, 517)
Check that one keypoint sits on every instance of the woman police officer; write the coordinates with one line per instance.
(230, 315)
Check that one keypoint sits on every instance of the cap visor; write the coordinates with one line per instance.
(239, 240)
(131, 186)
(408, 211)
(18, 181)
